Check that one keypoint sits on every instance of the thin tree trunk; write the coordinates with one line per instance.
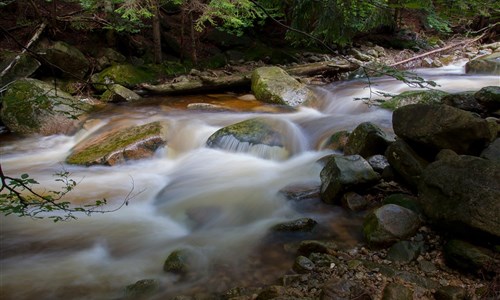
(193, 40)
(156, 32)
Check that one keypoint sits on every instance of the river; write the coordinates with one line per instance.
(217, 203)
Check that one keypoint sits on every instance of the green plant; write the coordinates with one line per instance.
(19, 197)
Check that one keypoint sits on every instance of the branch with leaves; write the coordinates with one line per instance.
(19, 197)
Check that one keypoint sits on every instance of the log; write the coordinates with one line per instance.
(198, 84)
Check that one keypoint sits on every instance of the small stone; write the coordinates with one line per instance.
(303, 265)
(450, 293)
(396, 291)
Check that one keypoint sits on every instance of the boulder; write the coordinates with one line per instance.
(126, 75)
(487, 64)
(461, 193)
(492, 152)
(119, 93)
(378, 162)
(68, 59)
(413, 97)
(119, 145)
(404, 200)
(465, 101)
(24, 67)
(405, 162)
(468, 257)
(343, 289)
(367, 139)
(388, 224)
(105, 57)
(32, 106)
(489, 97)
(273, 85)
(405, 251)
(182, 262)
(450, 293)
(260, 137)
(344, 173)
(435, 127)
(354, 201)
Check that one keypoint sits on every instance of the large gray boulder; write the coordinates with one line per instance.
(260, 137)
(67, 59)
(487, 64)
(436, 127)
(345, 173)
(461, 194)
(273, 85)
(32, 106)
(119, 145)
(367, 139)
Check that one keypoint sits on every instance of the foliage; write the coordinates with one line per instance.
(230, 15)
(18, 197)
(337, 21)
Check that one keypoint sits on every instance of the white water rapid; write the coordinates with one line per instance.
(220, 204)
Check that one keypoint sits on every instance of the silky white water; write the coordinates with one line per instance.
(218, 203)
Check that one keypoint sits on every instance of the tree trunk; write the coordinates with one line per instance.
(242, 80)
(156, 31)
(194, 55)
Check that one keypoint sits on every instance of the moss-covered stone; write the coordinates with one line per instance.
(124, 74)
(273, 85)
(367, 139)
(413, 97)
(142, 289)
(258, 136)
(336, 141)
(33, 106)
(119, 145)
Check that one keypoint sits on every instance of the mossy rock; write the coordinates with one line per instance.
(413, 97)
(367, 139)
(261, 137)
(118, 146)
(32, 106)
(142, 289)
(124, 74)
(273, 85)
(336, 141)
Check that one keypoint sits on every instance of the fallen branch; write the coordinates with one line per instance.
(462, 43)
(242, 80)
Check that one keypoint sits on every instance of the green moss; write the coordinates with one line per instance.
(253, 131)
(413, 97)
(126, 75)
(97, 150)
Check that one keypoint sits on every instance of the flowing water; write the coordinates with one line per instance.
(219, 204)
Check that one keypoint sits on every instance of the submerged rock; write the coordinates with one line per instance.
(32, 106)
(118, 146)
(183, 262)
(260, 137)
(302, 224)
(273, 85)
(142, 289)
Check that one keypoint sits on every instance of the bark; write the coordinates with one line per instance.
(243, 80)
(156, 32)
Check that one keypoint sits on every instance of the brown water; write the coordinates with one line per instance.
(218, 203)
